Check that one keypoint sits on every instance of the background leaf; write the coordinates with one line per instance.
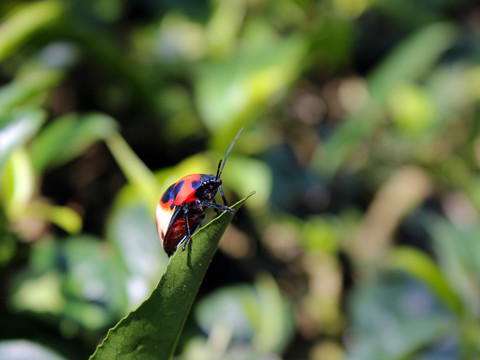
(401, 315)
(23, 23)
(17, 129)
(409, 61)
(68, 137)
(420, 266)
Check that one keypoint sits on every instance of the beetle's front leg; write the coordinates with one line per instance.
(214, 205)
(217, 211)
(188, 236)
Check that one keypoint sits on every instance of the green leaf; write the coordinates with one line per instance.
(17, 184)
(68, 137)
(78, 278)
(131, 231)
(27, 86)
(410, 60)
(256, 314)
(246, 173)
(63, 216)
(137, 173)
(25, 22)
(422, 267)
(395, 318)
(229, 92)
(93, 283)
(153, 329)
(17, 129)
(8, 245)
(458, 251)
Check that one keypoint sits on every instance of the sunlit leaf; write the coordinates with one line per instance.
(62, 216)
(224, 25)
(39, 293)
(17, 129)
(412, 108)
(17, 184)
(228, 92)
(134, 169)
(320, 234)
(274, 324)
(66, 218)
(26, 21)
(247, 174)
(179, 39)
(352, 9)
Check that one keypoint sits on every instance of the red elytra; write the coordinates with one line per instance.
(182, 206)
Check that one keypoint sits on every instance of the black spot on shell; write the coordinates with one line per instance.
(167, 196)
(195, 184)
(178, 186)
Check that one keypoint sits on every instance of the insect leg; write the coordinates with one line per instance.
(189, 235)
(216, 210)
(223, 196)
(215, 206)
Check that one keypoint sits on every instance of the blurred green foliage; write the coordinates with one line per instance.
(362, 141)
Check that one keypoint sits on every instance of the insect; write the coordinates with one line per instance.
(182, 206)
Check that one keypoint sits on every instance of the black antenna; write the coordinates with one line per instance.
(218, 169)
(228, 152)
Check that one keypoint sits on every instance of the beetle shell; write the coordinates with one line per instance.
(178, 197)
(181, 207)
(177, 231)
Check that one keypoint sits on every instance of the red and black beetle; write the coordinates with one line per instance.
(181, 207)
